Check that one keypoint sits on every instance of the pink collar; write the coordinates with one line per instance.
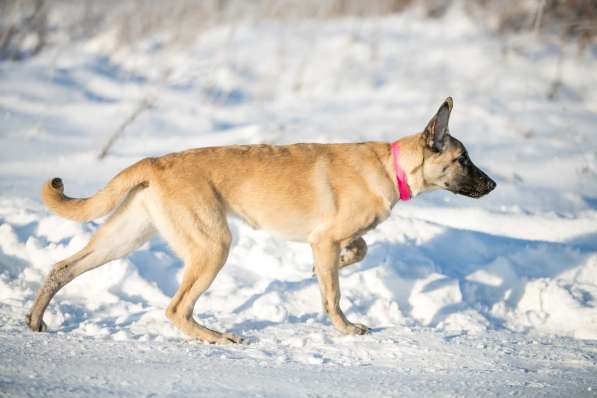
(400, 174)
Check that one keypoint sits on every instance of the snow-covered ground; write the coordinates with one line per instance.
(465, 297)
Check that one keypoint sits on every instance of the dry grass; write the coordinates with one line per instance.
(27, 26)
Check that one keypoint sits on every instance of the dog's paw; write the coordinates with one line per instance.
(229, 338)
(356, 329)
(36, 326)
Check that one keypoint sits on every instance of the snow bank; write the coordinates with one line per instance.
(416, 271)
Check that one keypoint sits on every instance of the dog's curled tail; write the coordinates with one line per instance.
(100, 204)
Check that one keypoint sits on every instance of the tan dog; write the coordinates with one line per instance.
(326, 195)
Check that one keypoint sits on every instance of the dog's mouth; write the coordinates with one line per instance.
(478, 190)
(476, 184)
(473, 194)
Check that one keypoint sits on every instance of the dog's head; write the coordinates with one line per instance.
(446, 163)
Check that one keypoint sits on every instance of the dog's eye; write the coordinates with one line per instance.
(463, 160)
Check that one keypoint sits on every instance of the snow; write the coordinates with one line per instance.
(465, 297)
(412, 363)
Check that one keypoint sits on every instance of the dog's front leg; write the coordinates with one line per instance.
(352, 253)
(326, 255)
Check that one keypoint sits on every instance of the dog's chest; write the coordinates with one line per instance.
(377, 215)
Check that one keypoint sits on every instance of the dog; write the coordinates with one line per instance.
(328, 195)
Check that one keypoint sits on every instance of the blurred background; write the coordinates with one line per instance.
(189, 73)
(30, 26)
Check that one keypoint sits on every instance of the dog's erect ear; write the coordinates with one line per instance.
(436, 132)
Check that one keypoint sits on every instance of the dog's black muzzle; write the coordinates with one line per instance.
(476, 184)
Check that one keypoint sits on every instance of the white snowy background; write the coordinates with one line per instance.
(465, 297)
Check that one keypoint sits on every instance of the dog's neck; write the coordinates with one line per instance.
(411, 161)
(401, 178)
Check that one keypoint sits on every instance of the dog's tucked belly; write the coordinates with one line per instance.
(303, 224)
(287, 223)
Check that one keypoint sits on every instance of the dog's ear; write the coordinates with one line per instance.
(436, 133)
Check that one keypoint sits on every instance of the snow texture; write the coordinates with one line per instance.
(465, 297)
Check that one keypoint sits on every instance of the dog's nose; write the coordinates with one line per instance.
(491, 185)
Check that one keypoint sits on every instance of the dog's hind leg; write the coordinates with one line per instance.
(200, 269)
(125, 230)
(198, 232)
